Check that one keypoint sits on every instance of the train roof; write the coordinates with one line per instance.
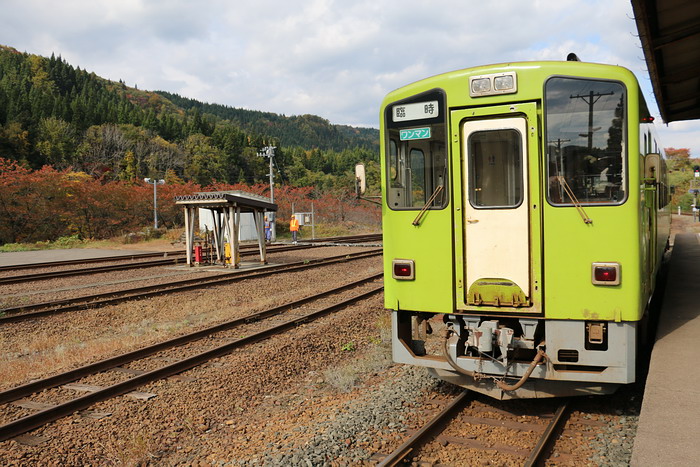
(456, 83)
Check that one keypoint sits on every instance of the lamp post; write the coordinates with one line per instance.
(155, 183)
(269, 152)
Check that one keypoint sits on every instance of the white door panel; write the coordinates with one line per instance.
(497, 239)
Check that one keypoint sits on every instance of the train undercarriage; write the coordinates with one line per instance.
(513, 358)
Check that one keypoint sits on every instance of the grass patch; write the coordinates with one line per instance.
(64, 242)
(146, 236)
(137, 449)
(376, 358)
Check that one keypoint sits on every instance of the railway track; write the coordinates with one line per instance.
(435, 426)
(253, 327)
(345, 240)
(27, 312)
(127, 266)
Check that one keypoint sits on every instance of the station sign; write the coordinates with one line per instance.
(417, 111)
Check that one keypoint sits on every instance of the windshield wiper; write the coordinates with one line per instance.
(435, 194)
(569, 192)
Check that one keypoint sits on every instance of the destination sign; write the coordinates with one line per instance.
(417, 111)
(414, 133)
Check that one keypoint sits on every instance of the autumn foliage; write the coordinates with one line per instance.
(45, 204)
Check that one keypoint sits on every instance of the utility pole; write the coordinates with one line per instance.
(155, 183)
(591, 99)
(269, 152)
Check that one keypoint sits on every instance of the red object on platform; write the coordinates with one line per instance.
(198, 254)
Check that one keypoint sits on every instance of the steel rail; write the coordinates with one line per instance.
(127, 266)
(24, 312)
(421, 435)
(92, 270)
(538, 452)
(43, 417)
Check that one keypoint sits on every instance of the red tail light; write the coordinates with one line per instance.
(403, 269)
(606, 274)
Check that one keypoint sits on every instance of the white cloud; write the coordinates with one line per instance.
(333, 58)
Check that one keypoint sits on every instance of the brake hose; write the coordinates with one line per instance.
(507, 387)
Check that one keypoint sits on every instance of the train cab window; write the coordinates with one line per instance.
(393, 160)
(417, 158)
(416, 153)
(495, 168)
(586, 155)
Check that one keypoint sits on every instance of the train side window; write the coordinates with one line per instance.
(393, 160)
(416, 167)
(585, 123)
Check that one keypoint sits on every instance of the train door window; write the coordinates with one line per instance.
(495, 169)
(586, 141)
(415, 152)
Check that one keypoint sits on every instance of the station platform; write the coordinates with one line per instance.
(44, 256)
(668, 433)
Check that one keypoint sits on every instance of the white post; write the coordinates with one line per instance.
(236, 226)
(155, 205)
(188, 241)
(259, 217)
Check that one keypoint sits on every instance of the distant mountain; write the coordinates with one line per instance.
(54, 113)
(307, 131)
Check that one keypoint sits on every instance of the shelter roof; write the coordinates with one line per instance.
(216, 199)
(670, 34)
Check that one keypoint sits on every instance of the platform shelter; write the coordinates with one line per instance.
(226, 208)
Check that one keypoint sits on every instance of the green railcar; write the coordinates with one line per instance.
(525, 216)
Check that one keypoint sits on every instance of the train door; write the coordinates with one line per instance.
(500, 216)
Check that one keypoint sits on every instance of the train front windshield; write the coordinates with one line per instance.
(585, 122)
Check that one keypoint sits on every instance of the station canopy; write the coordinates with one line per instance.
(670, 34)
(226, 208)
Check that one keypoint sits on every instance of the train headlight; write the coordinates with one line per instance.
(403, 269)
(481, 85)
(503, 83)
(493, 84)
(605, 274)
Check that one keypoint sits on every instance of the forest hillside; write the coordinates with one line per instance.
(72, 131)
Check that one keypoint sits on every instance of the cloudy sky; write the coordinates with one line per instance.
(333, 58)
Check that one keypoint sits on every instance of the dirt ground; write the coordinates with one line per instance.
(683, 224)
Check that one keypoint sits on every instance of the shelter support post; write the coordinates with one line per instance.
(236, 247)
(259, 218)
